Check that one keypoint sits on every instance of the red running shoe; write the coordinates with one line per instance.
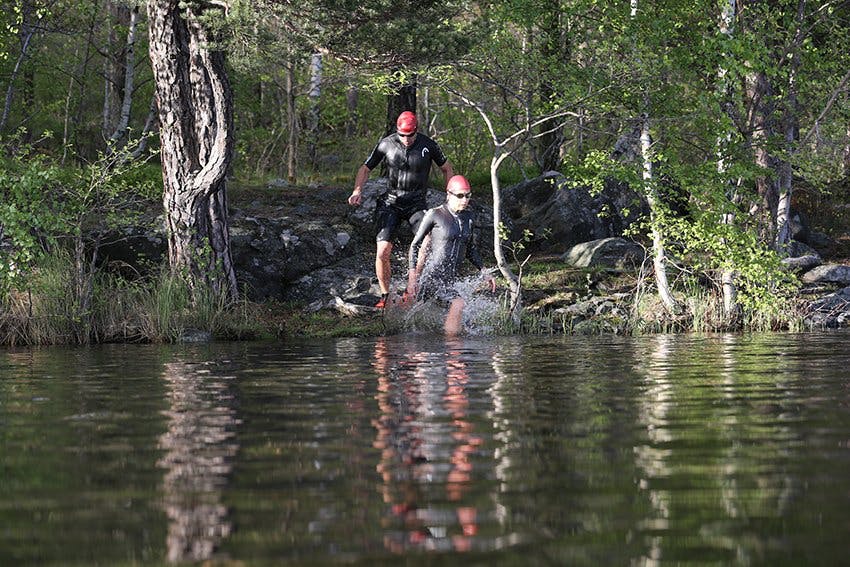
(383, 301)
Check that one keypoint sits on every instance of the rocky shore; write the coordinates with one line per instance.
(306, 248)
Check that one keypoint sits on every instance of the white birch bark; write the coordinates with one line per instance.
(727, 276)
(129, 82)
(789, 127)
(314, 96)
(659, 260)
(659, 255)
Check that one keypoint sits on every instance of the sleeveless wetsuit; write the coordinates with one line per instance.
(451, 242)
(408, 170)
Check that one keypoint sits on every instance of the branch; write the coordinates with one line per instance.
(829, 104)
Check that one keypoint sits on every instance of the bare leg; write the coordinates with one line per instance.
(382, 265)
(454, 319)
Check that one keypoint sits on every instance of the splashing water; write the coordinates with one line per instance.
(480, 312)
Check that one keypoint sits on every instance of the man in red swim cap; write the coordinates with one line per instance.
(409, 155)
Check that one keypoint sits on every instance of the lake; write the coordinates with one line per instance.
(416, 449)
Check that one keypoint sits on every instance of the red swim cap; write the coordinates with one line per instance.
(406, 123)
(458, 183)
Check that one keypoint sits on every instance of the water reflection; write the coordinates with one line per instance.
(200, 446)
(427, 444)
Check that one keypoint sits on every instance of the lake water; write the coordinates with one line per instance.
(721, 449)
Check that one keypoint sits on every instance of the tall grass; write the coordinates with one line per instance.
(160, 308)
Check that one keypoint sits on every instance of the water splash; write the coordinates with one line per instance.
(480, 312)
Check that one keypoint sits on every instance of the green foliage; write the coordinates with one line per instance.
(30, 212)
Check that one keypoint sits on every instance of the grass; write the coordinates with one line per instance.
(155, 309)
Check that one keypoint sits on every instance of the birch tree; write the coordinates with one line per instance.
(659, 254)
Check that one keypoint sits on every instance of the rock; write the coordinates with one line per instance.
(617, 253)
(832, 273)
(796, 249)
(562, 215)
(831, 311)
(278, 183)
(802, 263)
(195, 336)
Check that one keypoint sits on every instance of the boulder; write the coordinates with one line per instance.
(564, 215)
(617, 253)
(828, 273)
(830, 311)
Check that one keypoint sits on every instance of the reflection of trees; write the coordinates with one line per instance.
(200, 446)
(714, 416)
(427, 442)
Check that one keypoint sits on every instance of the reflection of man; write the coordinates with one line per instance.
(419, 395)
(199, 446)
(409, 155)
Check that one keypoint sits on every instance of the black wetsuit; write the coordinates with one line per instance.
(451, 242)
(408, 169)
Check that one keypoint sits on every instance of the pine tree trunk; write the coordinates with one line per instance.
(196, 132)
(403, 99)
(292, 123)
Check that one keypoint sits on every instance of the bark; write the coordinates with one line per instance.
(514, 282)
(110, 77)
(658, 249)
(129, 82)
(404, 98)
(790, 127)
(292, 124)
(314, 95)
(195, 104)
(727, 276)
(351, 96)
(762, 129)
(150, 123)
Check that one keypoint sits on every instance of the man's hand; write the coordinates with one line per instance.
(489, 280)
(355, 198)
(412, 276)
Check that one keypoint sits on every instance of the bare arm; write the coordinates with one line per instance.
(356, 195)
(447, 170)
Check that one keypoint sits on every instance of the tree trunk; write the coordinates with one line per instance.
(351, 96)
(658, 250)
(790, 130)
(120, 131)
(313, 118)
(292, 123)
(515, 306)
(195, 104)
(728, 286)
(760, 95)
(404, 98)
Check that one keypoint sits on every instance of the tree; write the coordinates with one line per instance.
(196, 134)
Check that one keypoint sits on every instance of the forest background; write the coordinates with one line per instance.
(737, 110)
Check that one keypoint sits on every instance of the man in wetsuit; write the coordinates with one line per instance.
(450, 228)
(409, 155)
